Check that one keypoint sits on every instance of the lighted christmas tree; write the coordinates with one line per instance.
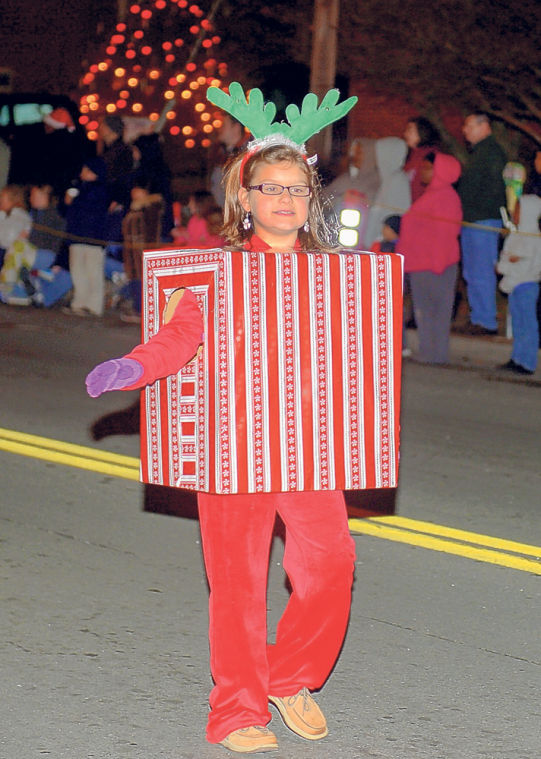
(157, 64)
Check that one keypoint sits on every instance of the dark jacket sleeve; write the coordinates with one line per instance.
(174, 344)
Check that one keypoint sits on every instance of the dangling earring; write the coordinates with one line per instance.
(247, 222)
(306, 226)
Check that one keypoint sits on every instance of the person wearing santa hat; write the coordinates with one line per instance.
(63, 154)
(60, 118)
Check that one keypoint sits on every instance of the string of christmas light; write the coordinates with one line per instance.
(146, 65)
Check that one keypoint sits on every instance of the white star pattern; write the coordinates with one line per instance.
(370, 327)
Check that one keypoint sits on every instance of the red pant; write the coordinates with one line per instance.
(319, 560)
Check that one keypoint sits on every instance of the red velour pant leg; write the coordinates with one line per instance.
(236, 532)
(319, 559)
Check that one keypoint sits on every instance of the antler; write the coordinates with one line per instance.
(311, 119)
(258, 117)
(254, 114)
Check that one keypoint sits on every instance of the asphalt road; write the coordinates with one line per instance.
(103, 605)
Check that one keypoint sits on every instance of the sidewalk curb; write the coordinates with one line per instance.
(482, 355)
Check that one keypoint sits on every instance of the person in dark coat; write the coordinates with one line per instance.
(85, 220)
(151, 169)
(119, 166)
(482, 192)
(63, 152)
(118, 159)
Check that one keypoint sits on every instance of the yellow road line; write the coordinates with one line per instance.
(69, 454)
(376, 529)
(506, 553)
(460, 535)
(60, 445)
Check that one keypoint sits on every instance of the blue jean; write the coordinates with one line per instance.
(523, 308)
(44, 259)
(479, 256)
(112, 265)
(54, 286)
(132, 293)
(49, 285)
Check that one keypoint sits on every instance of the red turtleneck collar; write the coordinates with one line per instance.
(256, 243)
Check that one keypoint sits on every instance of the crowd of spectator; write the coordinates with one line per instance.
(88, 216)
(448, 220)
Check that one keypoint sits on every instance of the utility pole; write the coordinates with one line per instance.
(323, 63)
(122, 9)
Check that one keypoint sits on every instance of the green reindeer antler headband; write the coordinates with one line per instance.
(258, 116)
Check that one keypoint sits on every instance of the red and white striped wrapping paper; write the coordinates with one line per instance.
(297, 384)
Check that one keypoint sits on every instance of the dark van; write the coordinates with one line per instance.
(21, 127)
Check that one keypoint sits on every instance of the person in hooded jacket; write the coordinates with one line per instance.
(356, 186)
(429, 234)
(394, 193)
(520, 264)
(360, 173)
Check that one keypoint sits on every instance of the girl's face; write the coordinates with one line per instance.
(87, 175)
(276, 218)
(426, 172)
(411, 135)
(6, 204)
(39, 198)
(388, 234)
(139, 193)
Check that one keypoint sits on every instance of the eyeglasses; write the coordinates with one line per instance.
(269, 188)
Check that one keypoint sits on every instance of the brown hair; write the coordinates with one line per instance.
(320, 235)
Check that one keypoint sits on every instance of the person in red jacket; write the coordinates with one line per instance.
(272, 204)
(429, 243)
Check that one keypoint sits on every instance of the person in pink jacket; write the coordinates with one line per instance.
(429, 243)
(203, 227)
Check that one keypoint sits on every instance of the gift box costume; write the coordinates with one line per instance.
(296, 384)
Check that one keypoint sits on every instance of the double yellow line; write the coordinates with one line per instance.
(69, 454)
(471, 545)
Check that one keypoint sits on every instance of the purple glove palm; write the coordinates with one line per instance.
(113, 375)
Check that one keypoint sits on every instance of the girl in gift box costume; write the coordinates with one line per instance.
(272, 204)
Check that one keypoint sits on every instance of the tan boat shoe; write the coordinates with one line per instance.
(302, 715)
(251, 740)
